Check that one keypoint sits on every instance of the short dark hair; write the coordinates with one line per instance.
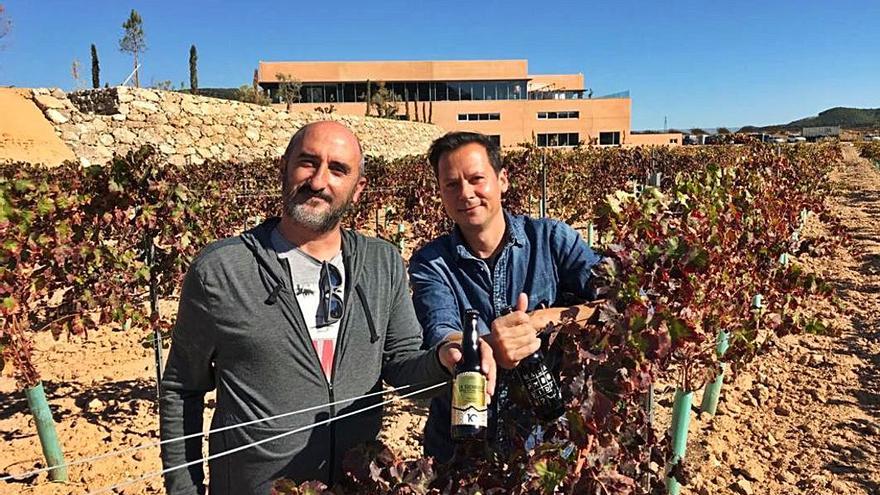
(454, 140)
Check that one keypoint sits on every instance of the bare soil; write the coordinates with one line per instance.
(25, 133)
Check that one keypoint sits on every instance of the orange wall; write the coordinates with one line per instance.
(519, 118)
(457, 70)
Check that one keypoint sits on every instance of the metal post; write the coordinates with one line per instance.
(656, 178)
(543, 187)
(154, 313)
(591, 235)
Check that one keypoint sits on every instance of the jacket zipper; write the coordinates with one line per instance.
(347, 262)
(293, 307)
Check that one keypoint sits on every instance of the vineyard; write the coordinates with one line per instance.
(702, 277)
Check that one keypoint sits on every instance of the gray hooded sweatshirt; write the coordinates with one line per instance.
(239, 329)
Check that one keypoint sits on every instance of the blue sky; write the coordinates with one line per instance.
(701, 64)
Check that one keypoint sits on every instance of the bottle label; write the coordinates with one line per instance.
(469, 399)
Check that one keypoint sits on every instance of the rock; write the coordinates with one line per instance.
(94, 405)
(149, 95)
(58, 93)
(752, 471)
(252, 134)
(106, 139)
(742, 486)
(124, 136)
(139, 456)
(177, 160)
(55, 116)
(145, 106)
(782, 410)
(46, 102)
(166, 148)
(118, 117)
(123, 96)
(839, 486)
(786, 477)
(103, 152)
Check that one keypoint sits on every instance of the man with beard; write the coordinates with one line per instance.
(294, 314)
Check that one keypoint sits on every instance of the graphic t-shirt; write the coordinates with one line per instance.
(305, 274)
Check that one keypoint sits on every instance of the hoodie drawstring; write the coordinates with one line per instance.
(374, 337)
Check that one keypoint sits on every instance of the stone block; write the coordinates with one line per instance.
(55, 116)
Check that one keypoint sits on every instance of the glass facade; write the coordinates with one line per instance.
(609, 138)
(553, 139)
(558, 95)
(352, 92)
(470, 117)
(574, 114)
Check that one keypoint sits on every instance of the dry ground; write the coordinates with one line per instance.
(25, 134)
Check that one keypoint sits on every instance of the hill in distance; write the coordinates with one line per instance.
(846, 118)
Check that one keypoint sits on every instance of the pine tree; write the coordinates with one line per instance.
(133, 40)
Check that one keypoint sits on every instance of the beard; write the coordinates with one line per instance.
(317, 221)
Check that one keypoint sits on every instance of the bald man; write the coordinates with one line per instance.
(294, 314)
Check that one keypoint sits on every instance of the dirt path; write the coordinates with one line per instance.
(805, 418)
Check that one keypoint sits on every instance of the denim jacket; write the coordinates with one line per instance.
(543, 258)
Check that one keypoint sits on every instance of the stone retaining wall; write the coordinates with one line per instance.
(95, 124)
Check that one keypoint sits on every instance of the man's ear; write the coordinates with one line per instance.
(282, 166)
(502, 179)
(361, 184)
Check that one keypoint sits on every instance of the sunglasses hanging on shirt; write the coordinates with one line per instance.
(330, 284)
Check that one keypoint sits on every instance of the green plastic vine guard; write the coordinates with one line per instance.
(401, 242)
(36, 397)
(591, 235)
(712, 392)
(681, 420)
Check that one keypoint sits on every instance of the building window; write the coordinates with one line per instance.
(573, 114)
(465, 117)
(356, 91)
(554, 139)
(673, 141)
(609, 138)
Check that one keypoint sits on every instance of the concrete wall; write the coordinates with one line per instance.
(95, 124)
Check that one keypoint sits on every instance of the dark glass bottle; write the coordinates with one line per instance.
(539, 384)
(469, 411)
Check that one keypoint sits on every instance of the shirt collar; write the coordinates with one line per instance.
(514, 234)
